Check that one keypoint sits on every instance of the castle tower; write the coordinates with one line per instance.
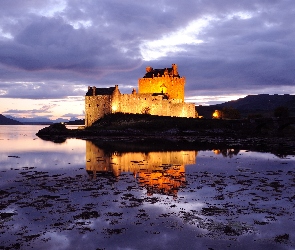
(165, 80)
(98, 103)
(115, 100)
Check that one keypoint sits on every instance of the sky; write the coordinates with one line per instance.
(51, 51)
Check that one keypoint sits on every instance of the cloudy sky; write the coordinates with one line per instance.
(50, 51)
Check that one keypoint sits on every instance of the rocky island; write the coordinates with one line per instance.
(168, 133)
(157, 117)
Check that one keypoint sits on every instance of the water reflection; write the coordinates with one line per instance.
(230, 152)
(158, 172)
(228, 200)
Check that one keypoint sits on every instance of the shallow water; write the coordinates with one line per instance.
(76, 195)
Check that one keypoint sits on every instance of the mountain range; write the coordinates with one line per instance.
(8, 121)
(40, 120)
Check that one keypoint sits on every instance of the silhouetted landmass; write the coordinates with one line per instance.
(253, 105)
(37, 123)
(7, 121)
(76, 122)
(173, 133)
(46, 121)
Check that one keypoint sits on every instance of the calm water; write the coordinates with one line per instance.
(76, 195)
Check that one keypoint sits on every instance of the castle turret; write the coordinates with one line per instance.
(115, 103)
(116, 91)
(148, 69)
(174, 69)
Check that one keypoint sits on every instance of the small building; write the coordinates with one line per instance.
(217, 114)
(160, 92)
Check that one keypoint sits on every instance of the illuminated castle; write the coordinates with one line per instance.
(160, 92)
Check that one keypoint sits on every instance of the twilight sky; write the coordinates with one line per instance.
(50, 51)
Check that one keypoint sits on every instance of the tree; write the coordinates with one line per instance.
(230, 113)
(254, 116)
(281, 111)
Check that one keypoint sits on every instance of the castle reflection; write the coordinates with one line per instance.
(158, 172)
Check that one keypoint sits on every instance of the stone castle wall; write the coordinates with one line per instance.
(96, 107)
(173, 86)
(154, 105)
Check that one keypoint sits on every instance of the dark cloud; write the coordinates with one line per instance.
(59, 47)
(52, 44)
(37, 90)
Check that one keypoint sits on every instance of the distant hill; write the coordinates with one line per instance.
(7, 121)
(38, 120)
(263, 104)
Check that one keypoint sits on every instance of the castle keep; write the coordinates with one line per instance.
(160, 92)
(166, 81)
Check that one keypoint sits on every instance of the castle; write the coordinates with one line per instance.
(160, 92)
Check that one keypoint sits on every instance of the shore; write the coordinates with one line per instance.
(142, 132)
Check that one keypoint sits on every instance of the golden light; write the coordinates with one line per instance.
(114, 107)
(216, 151)
(216, 114)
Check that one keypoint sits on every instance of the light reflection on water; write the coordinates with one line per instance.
(77, 195)
(22, 139)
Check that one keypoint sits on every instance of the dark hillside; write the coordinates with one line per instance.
(263, 104)
(7, 121)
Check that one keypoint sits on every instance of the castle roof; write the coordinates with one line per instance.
(159, 72)
(100, 91)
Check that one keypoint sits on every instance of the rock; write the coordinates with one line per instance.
(56, 132)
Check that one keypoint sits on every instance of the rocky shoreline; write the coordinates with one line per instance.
(142, 134)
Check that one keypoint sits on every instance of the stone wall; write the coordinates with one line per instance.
(154, 105)
(96, 107)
